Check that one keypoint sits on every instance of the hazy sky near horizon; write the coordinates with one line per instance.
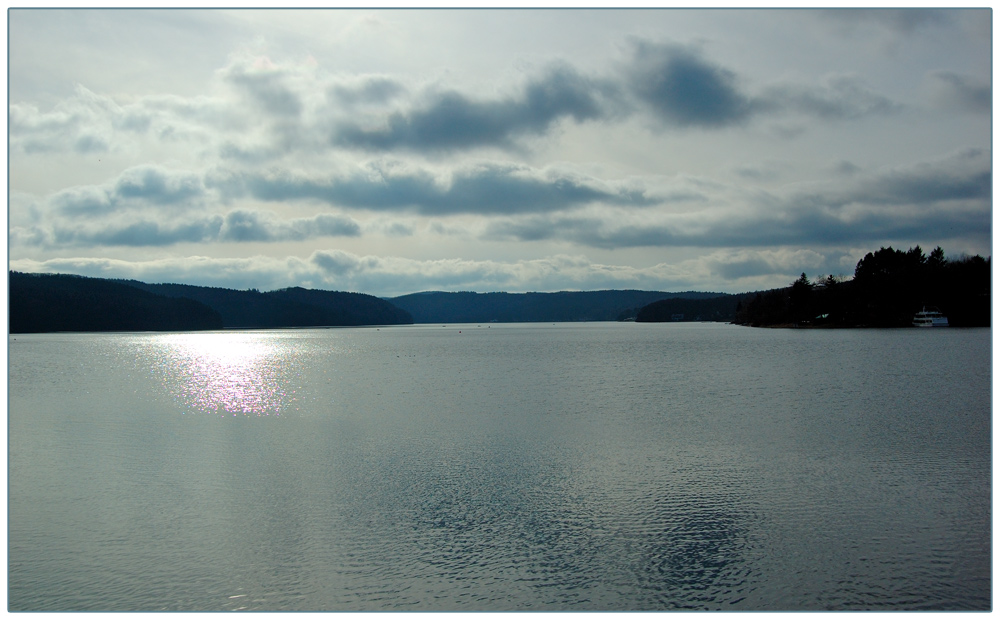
(396, 151)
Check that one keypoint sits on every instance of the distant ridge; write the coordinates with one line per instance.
(469, 307)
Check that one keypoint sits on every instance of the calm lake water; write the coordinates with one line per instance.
(602, 466)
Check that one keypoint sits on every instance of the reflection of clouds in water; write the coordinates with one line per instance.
(227, 373)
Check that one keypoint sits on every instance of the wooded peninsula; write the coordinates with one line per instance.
(889, 287)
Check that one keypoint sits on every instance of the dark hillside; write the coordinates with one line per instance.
(294, 307)
(722, 308)
(65, 303)
(439, 307)
(356, 308)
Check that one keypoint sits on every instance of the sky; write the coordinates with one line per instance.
(396, 151)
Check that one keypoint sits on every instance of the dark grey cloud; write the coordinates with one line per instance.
(267, 89)
(451, 120)
(280, 111)
(137, 234)
(241, 225)
(846, 168)
(485, 190)
(841, 98)
(539, 228)
(762, 171)
(142, 186)
(395, 229)
(965, 176)
(335, 262)
(809, 228)
(907, 188)
(90, 144)
(158, 186)
(900, 21)
(372, 90)
(962, 92)
(683, 89)
(935, 201)
(678, 85)
(236, 226)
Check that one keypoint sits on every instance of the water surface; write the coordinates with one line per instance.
(575, 467)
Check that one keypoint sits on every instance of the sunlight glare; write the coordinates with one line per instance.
(228, 373)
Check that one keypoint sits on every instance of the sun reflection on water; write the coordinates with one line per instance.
(228, 373)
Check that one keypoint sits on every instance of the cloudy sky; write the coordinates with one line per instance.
(390, 152)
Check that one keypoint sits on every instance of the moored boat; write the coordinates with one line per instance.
(929, 317)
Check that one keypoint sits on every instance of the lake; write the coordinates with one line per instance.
(509, 467)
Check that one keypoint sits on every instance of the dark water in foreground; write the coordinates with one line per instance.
(505, 467)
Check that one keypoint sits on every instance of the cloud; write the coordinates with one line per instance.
(266, 87)
(752, 263)
(266, 273)
(238, 226)
(900, 21)
(140, 233)
(963, 176)
(762, 171)
(842, 97)
(845, 168)
(451, 120)
(79, 124)
(89, 123)
(157, 185)
(786, 229)
(937, 201)
(367, 90)
(141, 186)
(955, 91)
(391, 228)
(683, 89)
(262, 111)
(484, 189)
(241, 225)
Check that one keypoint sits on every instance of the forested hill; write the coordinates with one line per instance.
(58, 302)
(720, 308)
(439, 307)
(888, 288)
(66, 303)
(290, 307)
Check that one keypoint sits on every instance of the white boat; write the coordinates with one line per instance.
(929, 317)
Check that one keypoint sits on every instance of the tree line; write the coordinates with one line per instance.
(68, 303)
(719, 308)
(288, 307)
(888, 288)
(564, 306)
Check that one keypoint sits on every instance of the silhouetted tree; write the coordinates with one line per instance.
(800, 300)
